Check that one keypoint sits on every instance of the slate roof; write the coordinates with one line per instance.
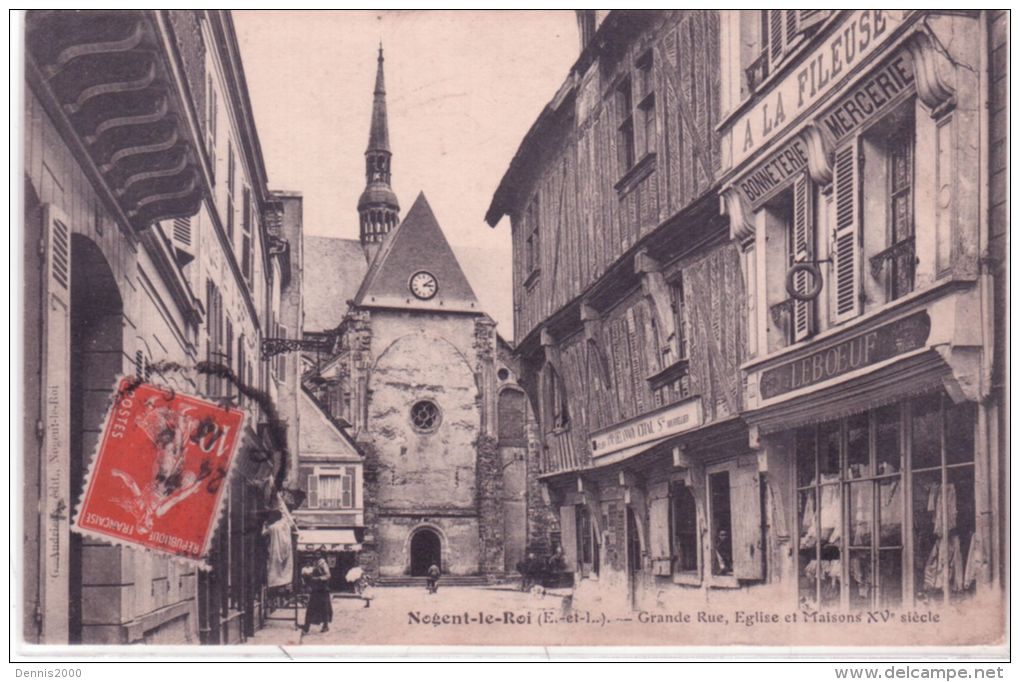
(416, 244)
(320, 435)
(334, 268)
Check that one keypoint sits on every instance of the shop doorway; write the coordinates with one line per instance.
(426, 549)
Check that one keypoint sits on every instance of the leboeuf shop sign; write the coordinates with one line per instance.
(853, 353)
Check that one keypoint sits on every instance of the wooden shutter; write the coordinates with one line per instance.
(775, 35)
(568, 537)
(182, 232)
(745, 508)
(846, 184)
(803, 228)
(658, 534)
(347, 488)
(810, 18)
(790, 19)
(313, 491)
(56, 416)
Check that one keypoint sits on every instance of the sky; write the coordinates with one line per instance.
(462, 88)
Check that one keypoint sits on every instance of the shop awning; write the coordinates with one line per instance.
(632, 451)
(328, 540)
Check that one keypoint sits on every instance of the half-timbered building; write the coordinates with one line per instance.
(628, 300)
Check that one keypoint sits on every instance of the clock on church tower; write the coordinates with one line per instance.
(423, 285)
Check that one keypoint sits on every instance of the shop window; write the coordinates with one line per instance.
(854, 519)
(587, 541)
(735, 531)
(684, 523)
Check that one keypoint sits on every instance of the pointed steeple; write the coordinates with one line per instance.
(379, 137)
(378, 209)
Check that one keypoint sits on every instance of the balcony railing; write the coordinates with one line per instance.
(901, 260)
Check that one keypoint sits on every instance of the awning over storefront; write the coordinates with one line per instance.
(627, 453)
(328, 540)
(916, 374)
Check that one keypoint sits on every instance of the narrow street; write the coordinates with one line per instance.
(409, 615)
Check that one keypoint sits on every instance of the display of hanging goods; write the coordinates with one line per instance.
(808, 267)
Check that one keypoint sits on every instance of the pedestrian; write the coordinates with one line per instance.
(432, 584)
(320, 606)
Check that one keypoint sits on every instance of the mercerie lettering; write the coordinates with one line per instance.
(870, 96)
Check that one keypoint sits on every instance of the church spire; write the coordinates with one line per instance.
(378, 209)
(379, 137)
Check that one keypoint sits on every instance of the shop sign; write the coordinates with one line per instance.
(653, 426)
(856, 352)
(856, 38)
(773, 174)
(870, 97)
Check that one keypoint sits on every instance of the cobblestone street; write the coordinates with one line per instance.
(408, 615)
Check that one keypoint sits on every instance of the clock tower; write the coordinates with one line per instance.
(378, 209)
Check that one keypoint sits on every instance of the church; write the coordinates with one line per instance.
(418, 445)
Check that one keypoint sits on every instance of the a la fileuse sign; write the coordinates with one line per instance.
(649, 427)
(826, 67)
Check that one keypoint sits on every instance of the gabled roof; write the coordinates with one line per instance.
(333, 271)
(415, 245)
(320, 435)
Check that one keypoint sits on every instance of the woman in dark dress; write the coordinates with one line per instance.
(320, 608)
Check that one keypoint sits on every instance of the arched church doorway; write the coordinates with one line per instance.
(426, 549)
(96, 361)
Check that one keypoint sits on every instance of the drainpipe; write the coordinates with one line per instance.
(988, 523)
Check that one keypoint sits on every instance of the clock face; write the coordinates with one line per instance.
(424, 285)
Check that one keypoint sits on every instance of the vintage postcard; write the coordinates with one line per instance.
(663, 329)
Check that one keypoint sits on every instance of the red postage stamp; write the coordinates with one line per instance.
(161, 471)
